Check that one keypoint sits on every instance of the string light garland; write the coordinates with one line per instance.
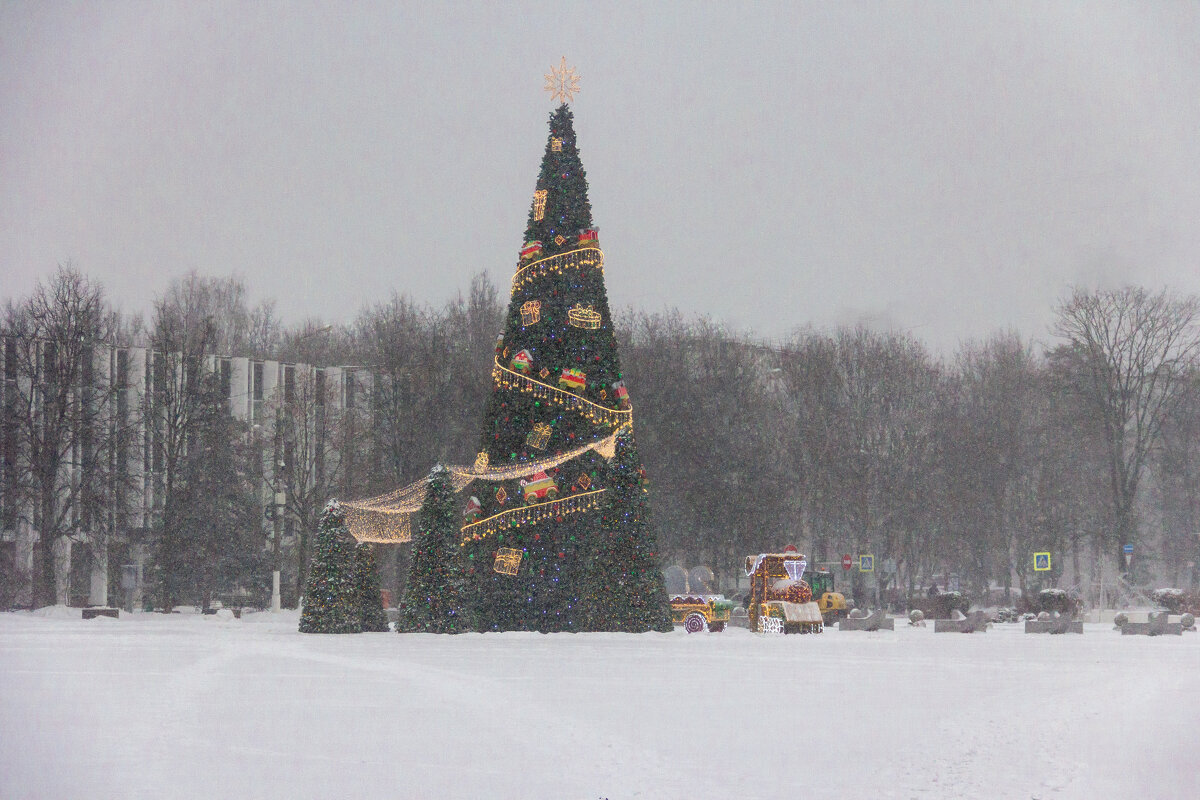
(581, 258)
(387, 519)
(597, 414)
(531, 515)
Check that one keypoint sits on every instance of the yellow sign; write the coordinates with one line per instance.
(866, 563)
(1041, 562)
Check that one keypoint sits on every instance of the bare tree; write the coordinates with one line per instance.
(194, 319)
(1131, 353)
(57, 418)
(313, 432)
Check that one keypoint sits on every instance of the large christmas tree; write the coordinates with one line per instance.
(535, 547)
(558, 402)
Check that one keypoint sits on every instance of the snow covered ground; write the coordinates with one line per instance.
(184, 706)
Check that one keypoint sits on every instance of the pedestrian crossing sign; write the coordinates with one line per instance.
(1041, 562)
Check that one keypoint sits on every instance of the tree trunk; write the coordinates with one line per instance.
(43, 571)
(1125, 528)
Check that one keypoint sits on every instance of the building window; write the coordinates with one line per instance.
(289, 384)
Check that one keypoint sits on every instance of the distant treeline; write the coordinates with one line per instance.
(843, 441)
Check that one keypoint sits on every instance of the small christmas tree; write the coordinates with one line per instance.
(434, 599)
(370, 598)
(623, 585)
(331, 603)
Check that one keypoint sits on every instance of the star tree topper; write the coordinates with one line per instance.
(562, 81)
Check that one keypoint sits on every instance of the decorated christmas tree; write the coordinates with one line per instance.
(524, 519)
(371, 613)
(434, 597)
(558, 403)
(331, 598)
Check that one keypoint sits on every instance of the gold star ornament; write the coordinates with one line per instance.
(562, 82)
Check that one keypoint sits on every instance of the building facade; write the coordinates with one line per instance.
(303, 422)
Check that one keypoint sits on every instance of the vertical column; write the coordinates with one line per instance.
(136, 457)
(239, 391)
(102, 466)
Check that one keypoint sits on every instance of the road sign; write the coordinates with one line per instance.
(1128, 549)
(847, 561)
(866, 563)
(1041, 562)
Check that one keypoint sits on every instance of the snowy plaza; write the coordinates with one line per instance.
(191, 706)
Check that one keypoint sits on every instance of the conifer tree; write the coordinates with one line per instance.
(623, 587)
(372, 615)
(331, 598)
(435, 597)
(557, 387)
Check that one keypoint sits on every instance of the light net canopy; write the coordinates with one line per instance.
(389, 518)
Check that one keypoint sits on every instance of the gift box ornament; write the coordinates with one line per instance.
(539, 436)
(531, 312)
(573, 380)
(522, 362)
(621, 394)
(586, 318)
(508, 560)
(473, 510)
(589, 237)
(531, 250)
(539, 486)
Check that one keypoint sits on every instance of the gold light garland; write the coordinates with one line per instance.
(581, 258)
(387, 519)
(530, 515)
(597, 414)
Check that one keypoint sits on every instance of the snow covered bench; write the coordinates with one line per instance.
(975, 621)
(877, 620)
(1157, 625)
(1053, 623)
(96, 611)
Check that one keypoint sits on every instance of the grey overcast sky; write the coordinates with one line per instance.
(944, 168)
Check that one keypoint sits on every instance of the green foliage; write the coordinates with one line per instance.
(622, 585)
(544, 595)
(435, 596)
(556, 569)
(331, 598)
(370, 598)
(211, 540)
